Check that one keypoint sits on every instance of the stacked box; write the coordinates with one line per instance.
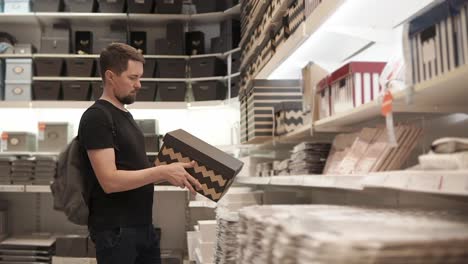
(22, 170)
(288, 117)
(46, 90)
(111, 6)
(86, 6)
(147, 92)
(169, 7)
(262, 96)
(354, 84)
(48, 6)
(243, 117)
(56, 39)
(45, 169)
(5, 169)
(17, 6)
(214, 169)
(53, 137)
(436, 42)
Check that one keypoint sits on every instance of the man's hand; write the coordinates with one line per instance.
(176, 175)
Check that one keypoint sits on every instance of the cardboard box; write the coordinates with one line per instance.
(214, 169)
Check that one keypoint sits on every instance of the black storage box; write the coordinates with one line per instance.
(147, 92)
(71, 246)
(209, 90)
(151, 143)
(112, 6)
(138, 41)
(207, 67)
(48, 5)
(230, 27)
(149, 68)
(78, 67)
(140, 6)
(172, 91)
(56, 39)
(83, 42)
(195, 43)
(175, 32)
(75, 91)
(48, 66)
(97, 69)
(165, 47)
(148, 126)
(205, 6)
(171, 68)
(97, 90)
(214, 169)
(45, 90)
(169, 6)
(222, 5)
(86, 6)
(117, 33)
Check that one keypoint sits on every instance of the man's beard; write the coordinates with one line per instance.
(129, 99)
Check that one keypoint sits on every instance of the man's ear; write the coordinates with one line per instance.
(109, 75)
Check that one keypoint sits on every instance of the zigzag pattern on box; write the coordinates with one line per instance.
(198, 168)
(291, 127)
(213, 185)
(293, 114)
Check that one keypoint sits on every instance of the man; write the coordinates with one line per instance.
(121, 177)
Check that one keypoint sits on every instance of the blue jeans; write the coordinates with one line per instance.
(127, 245)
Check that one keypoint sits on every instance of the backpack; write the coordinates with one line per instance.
(70, 189)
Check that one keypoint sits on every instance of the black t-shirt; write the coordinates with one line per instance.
(121, 209)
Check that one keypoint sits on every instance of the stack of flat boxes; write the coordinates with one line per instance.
(261, 98)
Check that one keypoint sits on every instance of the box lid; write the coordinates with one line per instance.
(356, 67)
(204, 152)
(435, 15)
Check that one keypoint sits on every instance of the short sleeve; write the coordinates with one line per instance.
(95, 131)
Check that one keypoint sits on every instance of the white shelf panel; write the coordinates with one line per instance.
(12, 188)
(215, 17)
(47, 78)
(62, 104)
(254, 180)
(433, 182)
(29, 153)
(15, 56)
(48, 18)
(166, 57)
(25, 18)
(66, 56)
(15, 104)
(37, 188)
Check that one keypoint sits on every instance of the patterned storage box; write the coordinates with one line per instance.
(214, 169)
(288, 117)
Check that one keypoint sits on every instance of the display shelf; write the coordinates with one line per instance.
(15, 56)
(48, 18)
(61, 104)
(37, 188)
(28, 153)
(443, 94)
(15, 19)
(12, 188)
(432, 182)
(348, 182)
(62, 78)
(65, 56)
(275, 19)
(215, 17)
(307, 28)
(373, 36)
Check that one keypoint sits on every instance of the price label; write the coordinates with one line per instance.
(41, 134)
(4, 142)
(387, 104)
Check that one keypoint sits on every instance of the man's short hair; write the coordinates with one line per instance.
(116, 56)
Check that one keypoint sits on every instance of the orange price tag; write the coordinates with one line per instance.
(387, 105)
(42, 126)
(3, 142)
(4, 136)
